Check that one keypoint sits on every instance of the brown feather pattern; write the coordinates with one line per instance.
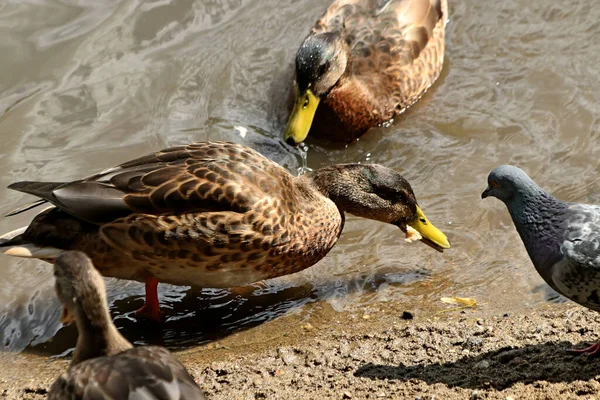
(150, 371)
(396, 53)
(207, 214)
(211, 214)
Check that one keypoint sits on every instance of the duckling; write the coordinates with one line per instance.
(105, 365)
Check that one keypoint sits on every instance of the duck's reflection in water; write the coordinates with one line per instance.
(197, 316)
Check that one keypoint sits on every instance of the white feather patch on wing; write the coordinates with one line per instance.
(143, 393)
(32, 251)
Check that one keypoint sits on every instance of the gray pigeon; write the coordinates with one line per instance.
(561, 238)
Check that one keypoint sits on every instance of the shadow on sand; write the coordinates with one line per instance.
(498, 369)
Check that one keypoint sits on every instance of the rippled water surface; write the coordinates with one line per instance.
(87, 84)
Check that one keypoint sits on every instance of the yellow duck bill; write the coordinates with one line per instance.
(301, 117)
(430, 235)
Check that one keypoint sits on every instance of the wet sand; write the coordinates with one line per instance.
(467, 354)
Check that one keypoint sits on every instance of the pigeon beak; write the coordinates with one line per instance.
(486, 192)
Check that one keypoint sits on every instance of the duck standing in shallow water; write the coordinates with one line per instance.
(561, 238)
(211, 214)
(363, 62)
(105, 365)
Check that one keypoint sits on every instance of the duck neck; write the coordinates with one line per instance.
(327, 182)
(344, 186)
(538, 217)
(97, 337)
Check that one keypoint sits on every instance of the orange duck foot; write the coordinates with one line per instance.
(151, 312)
(151, 308)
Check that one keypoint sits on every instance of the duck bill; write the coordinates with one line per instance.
(66, 317)
(301, 118)
(431, 235)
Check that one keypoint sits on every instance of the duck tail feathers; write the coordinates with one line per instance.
(42, 190)
(26, 207)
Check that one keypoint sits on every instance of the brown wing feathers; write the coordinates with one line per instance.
(396, 53)
(197, 177)
(89, 201)
(202, 195)
(148, 372)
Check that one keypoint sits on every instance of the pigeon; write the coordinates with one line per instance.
(105, 365)
(561, 238)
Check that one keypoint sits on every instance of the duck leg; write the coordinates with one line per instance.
(594, 349)
(151, 308)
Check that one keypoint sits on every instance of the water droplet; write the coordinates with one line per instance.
(388, 123)
(242, 130)
(303, 150)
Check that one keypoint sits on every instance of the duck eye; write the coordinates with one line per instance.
(423, 220)
(305, 103)
(494, 184)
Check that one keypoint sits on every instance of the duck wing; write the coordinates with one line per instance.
(198, 177)
(396, 53)
(386, 33)
(141, 373)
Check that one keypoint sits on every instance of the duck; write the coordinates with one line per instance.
(562, 238)
(363, 62)
(210, 214)
(105, 365)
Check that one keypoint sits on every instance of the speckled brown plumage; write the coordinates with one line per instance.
(211, 214)
(206, 214)
(151, 372)
(396, 52)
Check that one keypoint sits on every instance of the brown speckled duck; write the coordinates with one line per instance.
(211, 214)
(105, 365)
(363, 62)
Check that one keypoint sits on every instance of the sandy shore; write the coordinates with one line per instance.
(458, 355)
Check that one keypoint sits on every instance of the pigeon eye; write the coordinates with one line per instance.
(494, 184)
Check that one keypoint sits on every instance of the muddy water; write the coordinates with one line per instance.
(86, 84)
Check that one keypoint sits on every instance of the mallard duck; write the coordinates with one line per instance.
(211, 214)
(363, 62)
(105, 365)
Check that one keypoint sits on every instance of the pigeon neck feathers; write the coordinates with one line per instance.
(539, 219)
